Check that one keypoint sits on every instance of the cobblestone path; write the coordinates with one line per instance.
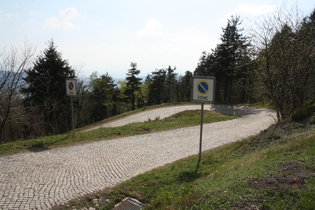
(40, 180)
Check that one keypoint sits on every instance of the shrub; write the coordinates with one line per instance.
(303, 112)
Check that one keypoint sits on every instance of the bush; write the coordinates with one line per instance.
(303, 112)
(300, 113)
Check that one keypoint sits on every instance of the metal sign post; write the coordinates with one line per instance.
(203, 91)
(72, 115)
(201, 129)
(71, 89)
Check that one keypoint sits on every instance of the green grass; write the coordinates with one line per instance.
(183, 119)
(273, 170)
(122, 115)
(263, 104)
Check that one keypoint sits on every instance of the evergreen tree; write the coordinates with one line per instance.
(104, 96)
(184, 86)
(157, 88)
(146, 89)
(45, 94)
(133, 85)
(171, 83)
(305, 61)
(229, 62)
(203, 65)
(232, 56)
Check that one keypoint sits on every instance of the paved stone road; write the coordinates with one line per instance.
(168, 111)
(39, 180)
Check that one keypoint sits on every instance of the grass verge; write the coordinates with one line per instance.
(273, 170)
(183, 119)
(122, 115)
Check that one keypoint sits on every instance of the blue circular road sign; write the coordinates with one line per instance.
(71, 85)
(203, 87)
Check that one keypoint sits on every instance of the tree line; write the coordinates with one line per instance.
(34, 101)
(274, 63)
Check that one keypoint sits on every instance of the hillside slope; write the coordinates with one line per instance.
(273, 170)
(53, 176)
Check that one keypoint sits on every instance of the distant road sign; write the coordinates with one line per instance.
(203, 89)
(71, 87)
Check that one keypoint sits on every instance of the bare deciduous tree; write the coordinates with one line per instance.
(285, 60)
(13, 62)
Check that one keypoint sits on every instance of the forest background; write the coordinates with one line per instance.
(274, 63)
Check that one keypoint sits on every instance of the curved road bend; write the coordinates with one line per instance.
(40, 180)
(169, 111)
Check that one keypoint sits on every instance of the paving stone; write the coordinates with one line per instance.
(39, 180)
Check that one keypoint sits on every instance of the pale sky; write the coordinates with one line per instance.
(106, 35)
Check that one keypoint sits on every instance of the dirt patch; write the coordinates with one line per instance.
(148, 130)
(291, 175)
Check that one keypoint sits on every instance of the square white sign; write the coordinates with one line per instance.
(71, 87)
(203, 89)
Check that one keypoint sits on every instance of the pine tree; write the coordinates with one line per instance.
(202, 67)
(103, 96)
(232, 56)
(157, 87)
(171, 83)
(184, 86)
(229, 63)
(133, 85)
(45, 95)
